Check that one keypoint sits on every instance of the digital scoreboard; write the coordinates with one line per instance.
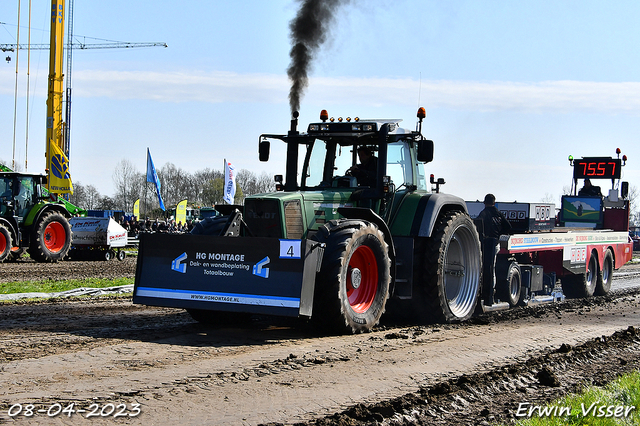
(597, 168)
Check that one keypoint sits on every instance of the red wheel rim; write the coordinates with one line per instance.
(54, 237)
(3, 243)
(362, 297)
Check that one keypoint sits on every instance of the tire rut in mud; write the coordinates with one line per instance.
(494, 397)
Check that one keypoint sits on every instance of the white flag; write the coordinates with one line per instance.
(229, 182)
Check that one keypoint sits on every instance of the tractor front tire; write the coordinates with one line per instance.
(5, 243)
(353, 284)
(51, 238)
(452, 271)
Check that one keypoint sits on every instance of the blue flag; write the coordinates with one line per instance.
(152, 176)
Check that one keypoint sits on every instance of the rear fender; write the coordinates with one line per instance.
(431, 207)
(43, 208)
(370, 216)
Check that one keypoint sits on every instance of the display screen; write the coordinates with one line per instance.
(597, 168)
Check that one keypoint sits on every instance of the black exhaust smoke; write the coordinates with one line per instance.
(309, 30)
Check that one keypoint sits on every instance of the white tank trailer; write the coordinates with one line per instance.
(97, 238)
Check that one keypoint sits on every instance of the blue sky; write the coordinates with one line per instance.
(511, 88)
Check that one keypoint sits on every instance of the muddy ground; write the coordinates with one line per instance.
(75, 353)
(26, 269)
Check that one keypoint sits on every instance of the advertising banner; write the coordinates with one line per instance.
(136, 209)
(59, 178)
(255, 275)
(181, 212)
(229, 182)
(152, 176)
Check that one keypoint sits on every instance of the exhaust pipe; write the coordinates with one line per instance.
(294, 124)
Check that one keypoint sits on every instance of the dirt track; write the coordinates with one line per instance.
(272, 370)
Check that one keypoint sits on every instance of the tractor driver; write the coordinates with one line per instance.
(366, 171)
(590, 190)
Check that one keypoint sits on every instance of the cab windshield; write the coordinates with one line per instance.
(18, 191)
(326, 164)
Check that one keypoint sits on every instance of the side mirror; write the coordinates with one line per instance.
(624, 189)
(425, 151)
(263, 149)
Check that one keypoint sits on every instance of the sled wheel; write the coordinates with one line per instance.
(121, 255)
(353, 284)
(509, 290)
(452, 271)
(605, 276)
(5, 243)
(16, 253)
(51, 238)
(582, 285)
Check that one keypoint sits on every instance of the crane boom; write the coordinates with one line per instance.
(12, 47)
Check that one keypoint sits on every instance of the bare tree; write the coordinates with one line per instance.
(79, 196)
(107, 203)
(633, 201)
(254, 184)
(128, 184)
(176, 185)
(86, 197)
(213, 193)
(202, 186)
(93, 197)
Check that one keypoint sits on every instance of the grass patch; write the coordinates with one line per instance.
(51, 286)
(615, 404)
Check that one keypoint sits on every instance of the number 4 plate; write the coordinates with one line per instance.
(290, 249)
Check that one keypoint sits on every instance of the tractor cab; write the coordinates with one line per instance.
(364, 162)
(19, 193)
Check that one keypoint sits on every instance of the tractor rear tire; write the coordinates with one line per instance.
(51, 238)
(353, 284)
(452, 268)
(605, 276)
(5, 243)
(582, 285)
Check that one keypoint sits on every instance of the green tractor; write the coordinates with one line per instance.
(31, 221)
(341, 240)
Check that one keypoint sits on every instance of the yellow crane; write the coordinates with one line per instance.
(57, 165)
(57, 135)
